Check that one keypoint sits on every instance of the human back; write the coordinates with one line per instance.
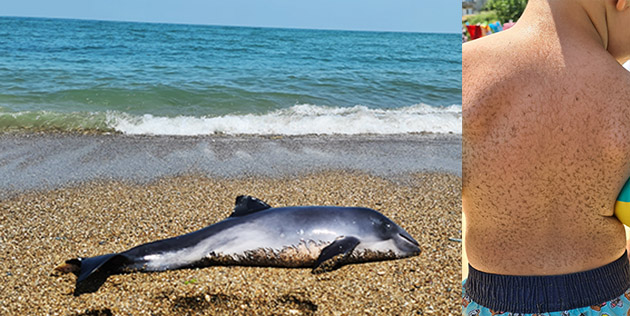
(546, 148)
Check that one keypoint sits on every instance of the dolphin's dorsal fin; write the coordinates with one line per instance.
(246, 204)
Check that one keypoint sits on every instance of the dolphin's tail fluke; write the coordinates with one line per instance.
(92, 272)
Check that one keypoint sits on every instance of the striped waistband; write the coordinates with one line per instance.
(541, 294)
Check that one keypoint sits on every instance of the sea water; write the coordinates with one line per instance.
(171, 79)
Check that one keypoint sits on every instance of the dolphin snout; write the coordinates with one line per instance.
(408, 238)
(408, 244)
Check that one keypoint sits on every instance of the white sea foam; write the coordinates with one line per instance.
(300, 120)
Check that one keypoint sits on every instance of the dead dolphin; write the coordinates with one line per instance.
(255, 234)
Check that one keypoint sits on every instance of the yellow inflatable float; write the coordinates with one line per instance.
(622, 206)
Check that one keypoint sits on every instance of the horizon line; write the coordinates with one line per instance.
(223, 25)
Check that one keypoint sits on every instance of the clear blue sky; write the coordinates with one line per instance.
(440, 16)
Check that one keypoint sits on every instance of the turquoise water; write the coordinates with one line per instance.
(145, 78)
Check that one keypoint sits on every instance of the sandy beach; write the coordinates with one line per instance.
(84, 195)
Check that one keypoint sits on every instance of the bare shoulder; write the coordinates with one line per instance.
(485, 62)
(486, 48)
(487, 85)
(474, 68)
(473, 52)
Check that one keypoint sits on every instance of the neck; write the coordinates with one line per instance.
(571, 19)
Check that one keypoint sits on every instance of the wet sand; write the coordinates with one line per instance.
(43, 228)
(44, 161)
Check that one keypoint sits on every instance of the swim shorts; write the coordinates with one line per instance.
(601, 291)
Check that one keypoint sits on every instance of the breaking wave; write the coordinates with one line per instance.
(301, 120)
(297, 120)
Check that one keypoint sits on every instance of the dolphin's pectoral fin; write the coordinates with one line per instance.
(246, 204)
(335, 255)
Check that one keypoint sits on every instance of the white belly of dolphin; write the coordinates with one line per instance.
(251, 247)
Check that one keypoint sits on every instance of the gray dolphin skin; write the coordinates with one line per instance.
(320, 237)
